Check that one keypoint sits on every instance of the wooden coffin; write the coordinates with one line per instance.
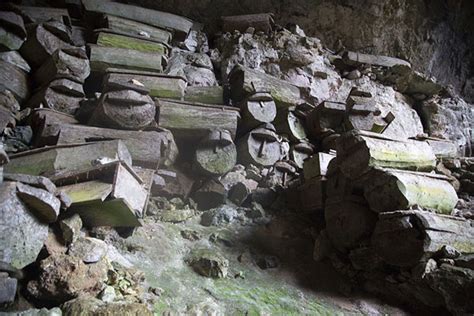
(389, 190)
(359, 151)
(245, 81)
(194, 120)
(159, 85)
(259, 147)
(208, 95)
(137, 29)
(262, 22)
(257, 109)
(216, 153)
(102, 58)
(404, 238)
(180, 25)
(108, 38)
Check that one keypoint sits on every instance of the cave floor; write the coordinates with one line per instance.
(297, 286)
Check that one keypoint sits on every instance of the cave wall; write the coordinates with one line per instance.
(435, 36)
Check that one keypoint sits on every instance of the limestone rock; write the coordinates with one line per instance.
(65, 277)
(208, 263)
(90, 250)
(21, 234)
(71, 228)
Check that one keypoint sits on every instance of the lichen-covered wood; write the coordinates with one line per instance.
(209, 94)
(359, 151)
(180, 25)
(390, 190)
(404, 238)
(160, 85)
(109, 39)
(246, 81)
(327, 117)
(194, 120)
(102, 58)
(216, 153)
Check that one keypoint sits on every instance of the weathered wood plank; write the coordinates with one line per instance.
(52, 161)
(15, 80)
(194, 120)
(404, 238)
(180, 25)
(390, 190)
(359, 151)
(102, 58)
(209, 94)
(245, 81)
(109, 39)
(160, 85)
(147, 148)
(137, 29)
(260, 22)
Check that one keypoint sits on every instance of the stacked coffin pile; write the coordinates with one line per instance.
(118, 89)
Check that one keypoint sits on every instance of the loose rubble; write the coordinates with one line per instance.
(116, 120)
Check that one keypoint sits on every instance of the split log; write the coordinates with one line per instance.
(259, 147)
(33, 14)
(193, 121)
(12, 31)
(287, 123)
(15, 80)
(14, 58)
(69, 63)
(216, 153)
(261, 22)
(23, 235)
(137, 29)
(159, 85)
(107, 38)
(53, 161)
(245, 81)
(312, 194)
(257, 109)
(62, 95)
(359, 151)
(208, 95)
(317, 165)
(102, 58)
(41, 44)
(123, 113)
(300, 152)
(180, 25)
(389, 190)
(148, 148)
(349, 221)
(327, 117)
(404, 238)
(41, 202)
(358, 59)
(13, 22)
